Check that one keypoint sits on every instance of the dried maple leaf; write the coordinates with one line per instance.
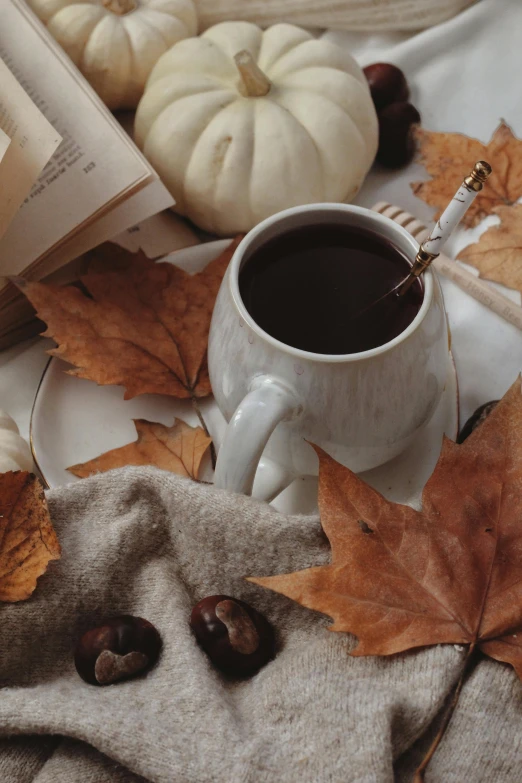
(179, 448)
(498, 253)
(145, 327)
(27, 538)
(450, 573)
(450, 156)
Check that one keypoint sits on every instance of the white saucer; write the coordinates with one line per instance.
(74, 420)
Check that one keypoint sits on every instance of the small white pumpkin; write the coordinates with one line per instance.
(115, 43)
(241, 123)
(15, 454)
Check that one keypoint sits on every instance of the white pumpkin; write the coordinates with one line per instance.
(241, 123)
(115, 43)
(15, 454)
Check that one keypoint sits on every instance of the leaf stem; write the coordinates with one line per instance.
(195, 405)
(469, 660)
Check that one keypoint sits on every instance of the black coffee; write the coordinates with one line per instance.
(308, 287)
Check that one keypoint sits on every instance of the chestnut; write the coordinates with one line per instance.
(119, 648)
(476, 419)
(237, 638)
(387, 84)
(396, 137)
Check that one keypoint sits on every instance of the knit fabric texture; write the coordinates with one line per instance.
(144, 542)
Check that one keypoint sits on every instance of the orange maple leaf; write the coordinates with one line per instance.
(144, 326)
(179, 449)
(498, 253)
(446, 156)
(450, 573)
(28, 541)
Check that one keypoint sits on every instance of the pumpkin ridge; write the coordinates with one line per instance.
(118, 58)
(310, 88)
(328, 50)
(304, 89)
(216, 173)
(146, 22)
(132, 65)
(164, 114)
(269, 64)
(142, 133)
(219, 109)
(225, 54)
(350, 119)
(314, 143)
(292, 51)
(63, 13)
(306, 145)
(254, 52)
(250, 164)
(186, 15)
(81, 63)
(108, 35)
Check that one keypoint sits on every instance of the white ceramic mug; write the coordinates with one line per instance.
(362, 408)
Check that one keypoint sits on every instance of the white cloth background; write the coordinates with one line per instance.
(463, 79)
(465, 76)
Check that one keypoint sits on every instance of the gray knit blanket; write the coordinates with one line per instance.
(145, 542)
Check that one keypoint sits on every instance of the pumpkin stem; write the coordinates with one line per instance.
(254, 82)
(120, 7)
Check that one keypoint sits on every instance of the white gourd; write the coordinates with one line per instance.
(15, 454)
(115, 43)
(241, 123)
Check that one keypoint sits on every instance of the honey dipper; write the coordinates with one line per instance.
(467, 281)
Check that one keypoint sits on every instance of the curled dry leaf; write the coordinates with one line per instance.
(144, 326)
(28, 541)
(179, 449)
(450, 573)
(450, 156)
(498, 253)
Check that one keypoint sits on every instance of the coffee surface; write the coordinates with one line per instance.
(307, 288)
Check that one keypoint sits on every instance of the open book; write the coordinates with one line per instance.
(91, 183)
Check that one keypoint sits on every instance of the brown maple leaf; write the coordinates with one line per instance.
(450, 573)
(144, 326)
(27, 538)
(449, 156)
(498, 253)
(179, 449)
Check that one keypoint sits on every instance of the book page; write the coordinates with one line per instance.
(141, 205)
(158, 236)
(5, 141)
(96, 166)
(31, 140)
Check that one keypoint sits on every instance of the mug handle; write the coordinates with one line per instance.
(268, 402)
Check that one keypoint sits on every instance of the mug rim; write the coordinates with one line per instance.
(235, 264)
